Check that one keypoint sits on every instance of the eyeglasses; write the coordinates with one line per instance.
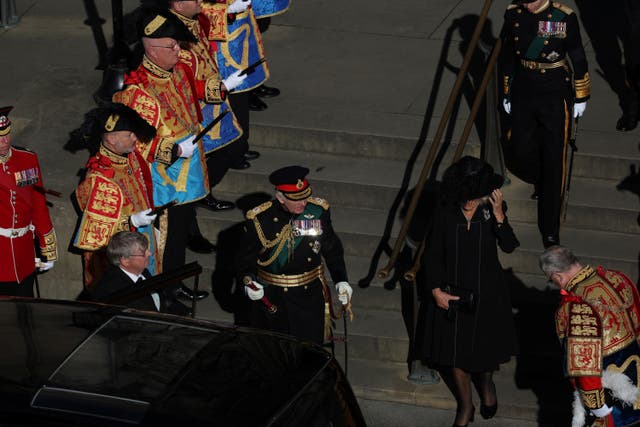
(172, 47)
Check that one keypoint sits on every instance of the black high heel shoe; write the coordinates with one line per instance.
(488, 411)
(473, 413)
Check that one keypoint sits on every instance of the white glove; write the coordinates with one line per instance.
(578, 109)
(507, 106)
(254, 294)
(234, 80)
(344, 292)
(142, 218)
(187, 147)
(604, 410)
(45, 266)
(238, 6)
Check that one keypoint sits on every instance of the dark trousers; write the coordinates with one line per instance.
(219, 161)
(240, 106)
(539, 134)
(180, 219)
(19, 289)
(300, 311)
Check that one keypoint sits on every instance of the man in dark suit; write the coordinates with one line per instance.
(128, 253)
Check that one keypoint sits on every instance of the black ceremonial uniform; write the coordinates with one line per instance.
(284, 252)
(538, 83)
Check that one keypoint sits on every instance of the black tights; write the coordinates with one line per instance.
(459, 381)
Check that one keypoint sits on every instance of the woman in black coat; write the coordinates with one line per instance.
(470, 329)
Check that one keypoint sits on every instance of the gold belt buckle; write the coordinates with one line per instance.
(14, 233)
(532, 65)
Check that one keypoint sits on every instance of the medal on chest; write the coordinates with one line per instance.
(552, 29)
(26, 177)
(307, 227)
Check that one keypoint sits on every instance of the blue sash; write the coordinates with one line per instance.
(233, 56)
(223, 133)
(185, 180)
(264, 8)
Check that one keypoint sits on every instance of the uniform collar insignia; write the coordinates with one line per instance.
(115, 158)
(154, 69)
(583, 274)
(309, 216)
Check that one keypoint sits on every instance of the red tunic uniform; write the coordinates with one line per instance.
(23, 215)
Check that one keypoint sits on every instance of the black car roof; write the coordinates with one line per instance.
(123, 366)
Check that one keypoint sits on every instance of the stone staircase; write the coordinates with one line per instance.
(360, 176)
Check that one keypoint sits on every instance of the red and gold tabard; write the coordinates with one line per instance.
(167, 100)
(114, 188)
(599, 322)
(23, 214)
(201, 59)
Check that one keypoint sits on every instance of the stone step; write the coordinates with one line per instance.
(615, 251)
(390, 384)
(598, 156)
(593, 204)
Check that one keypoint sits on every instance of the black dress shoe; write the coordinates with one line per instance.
(200, 245)
(488, 411)
(251, 155)
(243, 165)
(187, 294)
(256, 104)
(264, 91)
(214, 204)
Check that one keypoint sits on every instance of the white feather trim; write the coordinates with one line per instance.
(621, 387)
(579, 414)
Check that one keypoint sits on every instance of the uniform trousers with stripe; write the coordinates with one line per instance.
(541, 112)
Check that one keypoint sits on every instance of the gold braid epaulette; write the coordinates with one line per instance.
(563, 7)
(285, 236)
(320, 202)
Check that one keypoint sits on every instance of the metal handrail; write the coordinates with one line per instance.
(435, 145)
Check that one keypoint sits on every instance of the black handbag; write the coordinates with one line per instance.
(466, 304)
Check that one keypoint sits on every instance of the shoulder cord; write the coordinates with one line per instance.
(285, 237)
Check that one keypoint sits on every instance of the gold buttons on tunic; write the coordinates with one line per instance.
(285, 289)
(517, 24)
(546, 42)
(543, 54)
(309, 259)
(517, 52)
(543, 71)
(275, 219)
(516, 38)
(310, 244)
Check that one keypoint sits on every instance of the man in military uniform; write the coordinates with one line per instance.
(598, 322)
(281, 259)
(161, 89)
(116, 193)
(23, 215)
(539, 38)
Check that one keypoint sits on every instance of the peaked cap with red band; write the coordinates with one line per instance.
(5, 123)
(291, 182)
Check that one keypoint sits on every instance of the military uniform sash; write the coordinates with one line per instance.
(307, 224)
(243, 48)
(546, 29)
(264, 8)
